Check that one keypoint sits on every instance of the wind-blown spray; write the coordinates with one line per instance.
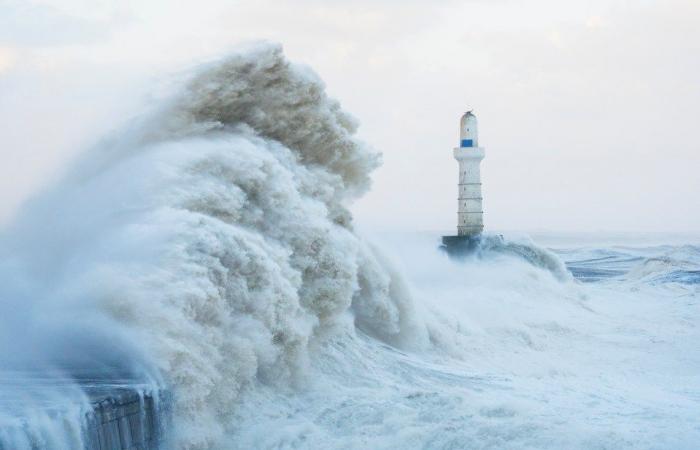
(213, 236)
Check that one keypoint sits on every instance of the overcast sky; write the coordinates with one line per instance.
(589, 110)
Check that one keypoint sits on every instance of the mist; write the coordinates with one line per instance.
(587, 106)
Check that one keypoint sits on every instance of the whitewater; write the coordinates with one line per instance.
(207, 250)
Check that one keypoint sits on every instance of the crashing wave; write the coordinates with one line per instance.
(491, 245)
(214, 235)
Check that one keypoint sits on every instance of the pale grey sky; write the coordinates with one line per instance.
(588, 109)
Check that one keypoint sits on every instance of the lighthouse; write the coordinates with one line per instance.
(470, 213)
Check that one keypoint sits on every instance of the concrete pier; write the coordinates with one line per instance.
(126, 421)
(458, 247)
(85, 411)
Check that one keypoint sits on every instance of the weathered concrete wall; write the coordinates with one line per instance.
(459, 247)
(126, 421)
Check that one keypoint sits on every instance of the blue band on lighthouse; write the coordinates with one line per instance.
(467, 143)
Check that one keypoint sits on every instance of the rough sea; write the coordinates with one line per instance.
(208, 250)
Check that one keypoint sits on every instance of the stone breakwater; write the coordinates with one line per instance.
(127, 421)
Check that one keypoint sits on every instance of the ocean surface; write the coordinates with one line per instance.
(600, 355)
(520, 358)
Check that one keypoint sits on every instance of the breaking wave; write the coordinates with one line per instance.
(212, 239)
(522, 247)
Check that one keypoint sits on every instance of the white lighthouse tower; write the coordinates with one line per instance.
(470, 213)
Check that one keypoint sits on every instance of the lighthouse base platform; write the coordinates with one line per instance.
(458, 247)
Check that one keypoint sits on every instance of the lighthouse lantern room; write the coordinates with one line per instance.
(468, 136)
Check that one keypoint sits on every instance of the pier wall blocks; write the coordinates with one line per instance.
(128, 421)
